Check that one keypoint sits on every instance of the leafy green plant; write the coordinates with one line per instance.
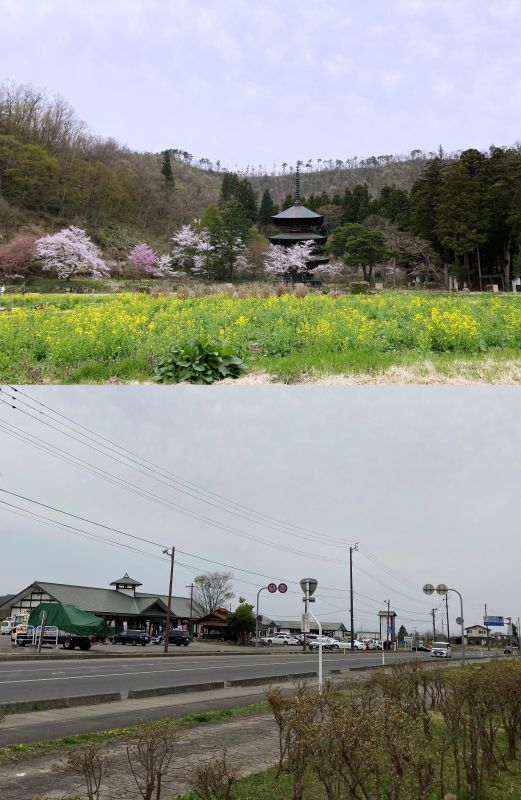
(360, 287)
(199, 361)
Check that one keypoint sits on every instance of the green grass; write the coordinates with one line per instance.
(61, 338)
(267, 786)
(22, 752)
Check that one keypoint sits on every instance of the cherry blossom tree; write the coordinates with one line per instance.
(289, 261)
(191, 249)
(70, 252)
(144, 257)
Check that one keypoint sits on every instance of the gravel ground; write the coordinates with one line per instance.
(251, 744)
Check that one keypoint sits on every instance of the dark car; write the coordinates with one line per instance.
(179, 638)
(131, 637)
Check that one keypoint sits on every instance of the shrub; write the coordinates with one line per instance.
(360, 287)
(199, 361)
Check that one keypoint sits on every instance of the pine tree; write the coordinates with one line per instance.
(166, 170)
(266, 209)
(248, 200)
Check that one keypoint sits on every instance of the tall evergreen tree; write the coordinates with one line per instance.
(248, 200)
(166, 170)
(393, 204)
(266, 209)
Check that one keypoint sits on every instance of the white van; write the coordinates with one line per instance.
(6, 626)
(441, 650)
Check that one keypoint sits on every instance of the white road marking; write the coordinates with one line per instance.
(154, 672)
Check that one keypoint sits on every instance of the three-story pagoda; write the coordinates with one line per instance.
(299, 224)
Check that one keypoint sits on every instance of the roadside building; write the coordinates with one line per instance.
(122, 606)
(477, 634)
(214, 625)
(270, 627)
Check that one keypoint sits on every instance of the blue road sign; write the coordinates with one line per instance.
(490, 622)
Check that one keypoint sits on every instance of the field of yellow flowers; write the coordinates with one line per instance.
(96, 338)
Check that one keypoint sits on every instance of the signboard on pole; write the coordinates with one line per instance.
(491, 622)
(283, 588)
(305, 623)
(272, 588)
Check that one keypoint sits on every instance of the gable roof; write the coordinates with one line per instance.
(107, 601)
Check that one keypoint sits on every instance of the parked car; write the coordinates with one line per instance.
(131, 637)
(179, 638)
(441, 650)
(345, 644)
(6, 626)
(282, 638)
(420, 648)
(369, 644)
(327, 643)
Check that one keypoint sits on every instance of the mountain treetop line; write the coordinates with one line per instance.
(165, 214)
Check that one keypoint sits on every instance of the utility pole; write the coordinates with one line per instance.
(191, 587)
(486, 626)
(433, 612)
(351, 604)
(447, 612)
(171, 554)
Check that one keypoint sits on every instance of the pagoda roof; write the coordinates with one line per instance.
(297, 236)
(298, 211)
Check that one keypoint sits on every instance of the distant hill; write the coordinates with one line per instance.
(401, 174)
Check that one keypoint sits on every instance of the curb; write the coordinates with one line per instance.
(15, 658)
(161, 691)
(23, 706)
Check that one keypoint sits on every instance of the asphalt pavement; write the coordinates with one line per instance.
(35, 681)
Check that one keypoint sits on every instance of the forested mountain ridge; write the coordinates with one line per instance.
(53, 171)
(459, 213)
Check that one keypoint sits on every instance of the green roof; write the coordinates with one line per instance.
(109, 601)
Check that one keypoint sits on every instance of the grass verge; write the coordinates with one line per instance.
(267, 786)
(22, 752)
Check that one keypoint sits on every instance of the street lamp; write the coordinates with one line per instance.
(308, 586)
(442, 589)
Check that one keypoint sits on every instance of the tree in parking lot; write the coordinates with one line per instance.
(402, 632)
(212, 590)
(241, 623)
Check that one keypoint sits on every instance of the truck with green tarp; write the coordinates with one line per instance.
(76, 628)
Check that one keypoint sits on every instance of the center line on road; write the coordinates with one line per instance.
(145, 672)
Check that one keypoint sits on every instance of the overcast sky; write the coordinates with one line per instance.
(425, 478)
(268, 82)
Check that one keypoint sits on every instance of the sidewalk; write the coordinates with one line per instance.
(43, 725)
(8, 653)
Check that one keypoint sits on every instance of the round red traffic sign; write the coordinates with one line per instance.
(272, 587)
(282, 588)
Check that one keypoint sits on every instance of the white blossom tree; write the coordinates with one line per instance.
(70, 252)
(191, 249)
(289, 261)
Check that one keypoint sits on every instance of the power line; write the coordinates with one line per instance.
(136, 489)
(172, 480)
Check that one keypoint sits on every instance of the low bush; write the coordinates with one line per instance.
(199, 361)
(360, 287)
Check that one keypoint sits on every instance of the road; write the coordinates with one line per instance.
(68, 677)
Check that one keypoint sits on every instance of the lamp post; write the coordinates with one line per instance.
(442, 589)
(308, 586)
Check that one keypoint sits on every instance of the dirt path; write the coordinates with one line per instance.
(250, 742)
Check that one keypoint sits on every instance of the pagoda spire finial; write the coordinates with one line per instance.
(298, 201)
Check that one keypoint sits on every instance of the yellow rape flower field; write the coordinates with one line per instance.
(398, 336)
